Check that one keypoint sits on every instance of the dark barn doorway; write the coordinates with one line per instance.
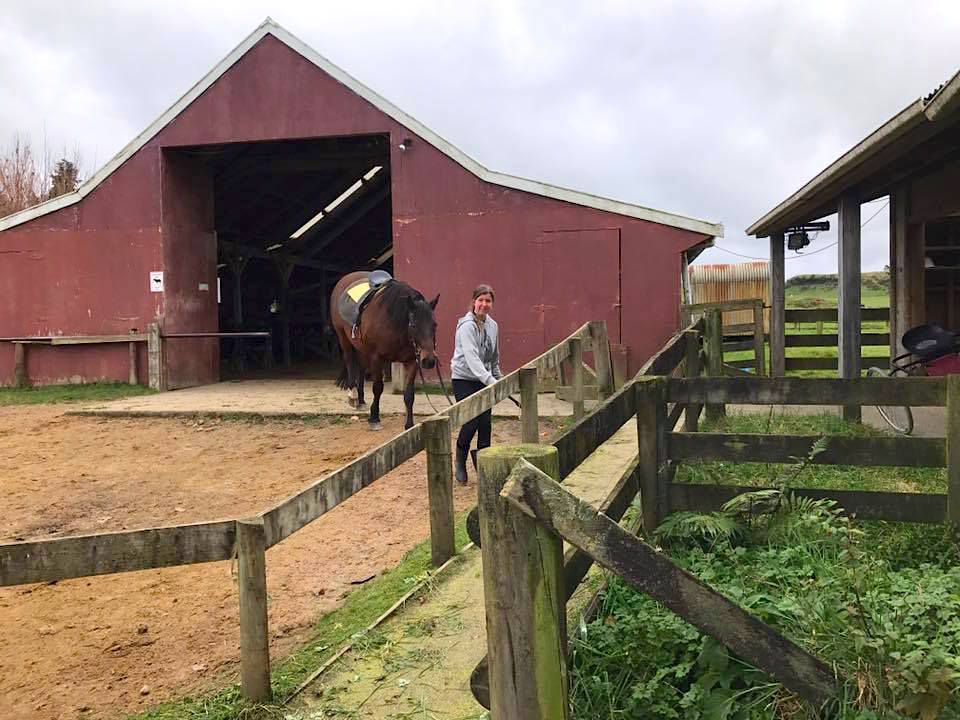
(291, 217)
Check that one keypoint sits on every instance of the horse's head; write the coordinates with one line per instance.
(423, 329)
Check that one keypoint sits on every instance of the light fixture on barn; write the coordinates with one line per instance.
(798, 236)
(405, 144)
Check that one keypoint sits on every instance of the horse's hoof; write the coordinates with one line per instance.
(376, 426)
(351, 401)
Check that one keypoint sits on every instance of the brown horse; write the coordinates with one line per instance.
(397, 325)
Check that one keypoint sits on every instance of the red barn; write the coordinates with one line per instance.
(278, 172)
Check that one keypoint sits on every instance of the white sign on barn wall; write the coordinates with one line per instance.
(156, 281)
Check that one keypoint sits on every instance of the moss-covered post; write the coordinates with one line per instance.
(529, 406)
(436, 437)
(523, 594)
(691, 369)
(715, 356)
(651, 447)
(953, 450)
(576, 364)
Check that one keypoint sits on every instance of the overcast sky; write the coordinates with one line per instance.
(717, 110)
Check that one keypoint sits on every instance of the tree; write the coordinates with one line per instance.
(21, 183)
(64, 178)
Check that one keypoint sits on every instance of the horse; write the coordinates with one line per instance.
(397, 325)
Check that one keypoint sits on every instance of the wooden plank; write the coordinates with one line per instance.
(22, 563)
(745, 304)
(252, 587)
(566, 392)
(742, 447)
(777, 306)
(529, 406)
(436, 440)
(576, 362)
(691, 369)
(738, 330)
(714, 359)
(96, 339)
(523, 595)
(865, 504)
(585, 436)
(734, 371)
(899, 277)
(739, 365)
(539, 496)
(831, 363)
(577, 563)
(738, 346)
(813, 315)
(832, 340)
(478, 403)
(602, 358)
(919, 391)
(848, 294)
(673, 417)
(953, 449)
(295, 512)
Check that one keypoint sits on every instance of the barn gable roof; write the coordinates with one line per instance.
(269, 27)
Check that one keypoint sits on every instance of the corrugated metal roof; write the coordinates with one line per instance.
(269, 27)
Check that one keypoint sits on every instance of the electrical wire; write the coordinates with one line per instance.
(799, 256)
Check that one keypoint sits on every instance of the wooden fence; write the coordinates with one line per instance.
(526, 512)
(247, 539)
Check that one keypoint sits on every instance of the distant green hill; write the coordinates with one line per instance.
(810, 291)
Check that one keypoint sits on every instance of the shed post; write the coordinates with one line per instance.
(252, 586)
(714, 318)
(436, 440)
(576, 364)
(132, 362)
(848, 300)
(155, 357)
(758, 342)
(529, 406)
(778, 300)
(523, 594)
(20, 365)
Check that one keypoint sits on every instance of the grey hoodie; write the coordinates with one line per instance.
(476, 354)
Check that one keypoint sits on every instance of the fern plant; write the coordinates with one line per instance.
(704, 529)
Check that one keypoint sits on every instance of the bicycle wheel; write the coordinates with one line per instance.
(898, 417)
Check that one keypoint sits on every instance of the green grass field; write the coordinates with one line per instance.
(90, 392)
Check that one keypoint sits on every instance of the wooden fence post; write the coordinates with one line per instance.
(436, 440)
(715, 357)
(523, 594)
(397, 377)
(252, 582)
(157, 373)
(651, 439)
(20, 365)
(691, 415)
(132, 363)
(758, 343)
(603, 360)
(529, 406)
(576, 363)
(953, 450)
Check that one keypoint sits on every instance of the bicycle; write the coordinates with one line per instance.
(936, 353)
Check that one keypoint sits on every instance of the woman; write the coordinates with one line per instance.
(475, 365)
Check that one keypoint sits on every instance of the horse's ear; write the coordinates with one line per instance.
(433, 303)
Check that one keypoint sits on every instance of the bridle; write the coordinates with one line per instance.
(417, 352)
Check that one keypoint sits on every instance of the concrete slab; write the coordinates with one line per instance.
(290, 398)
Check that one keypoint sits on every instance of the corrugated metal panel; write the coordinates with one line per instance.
(719, 283)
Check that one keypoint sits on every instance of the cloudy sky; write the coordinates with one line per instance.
(717, 110)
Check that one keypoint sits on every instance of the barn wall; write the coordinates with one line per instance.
(451, 231)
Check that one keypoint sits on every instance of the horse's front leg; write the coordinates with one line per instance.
(409, 385)
(376, 372)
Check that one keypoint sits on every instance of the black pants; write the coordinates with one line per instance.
(480, 425)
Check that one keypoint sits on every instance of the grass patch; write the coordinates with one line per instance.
(878, 601)
(89, 392)
(331, 632)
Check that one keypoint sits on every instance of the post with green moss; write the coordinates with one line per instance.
(523, 594)
(758, 343)
(529, 406)
(651, 448)
(576, 365)
(436, 440)
(252, 585)
(953, 450)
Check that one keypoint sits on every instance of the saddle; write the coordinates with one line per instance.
(358, 295)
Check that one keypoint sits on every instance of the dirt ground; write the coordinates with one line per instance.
(107, 646)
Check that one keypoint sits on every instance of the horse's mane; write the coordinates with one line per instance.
(393, 299)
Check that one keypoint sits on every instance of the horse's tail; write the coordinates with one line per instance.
(342, 378)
